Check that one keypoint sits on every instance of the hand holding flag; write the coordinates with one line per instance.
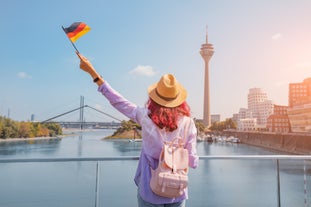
(75, 31)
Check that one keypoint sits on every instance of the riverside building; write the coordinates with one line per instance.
(278, 121)
(256, 115)
(299, 93)
(299, 101)
(259, 105)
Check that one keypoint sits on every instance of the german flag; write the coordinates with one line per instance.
(76, 30)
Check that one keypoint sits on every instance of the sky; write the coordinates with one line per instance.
(259, 43)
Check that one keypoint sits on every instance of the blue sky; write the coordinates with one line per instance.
(260, 43)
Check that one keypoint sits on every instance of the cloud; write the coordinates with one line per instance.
(143, 70)
(23, 75)
(277, 36)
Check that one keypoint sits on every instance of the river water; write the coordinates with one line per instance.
(223, 183)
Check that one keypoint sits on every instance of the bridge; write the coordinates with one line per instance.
(93, 125)
(82, 124)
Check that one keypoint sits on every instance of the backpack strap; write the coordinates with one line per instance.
(186, 130)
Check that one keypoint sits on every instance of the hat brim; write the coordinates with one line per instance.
(181, 97)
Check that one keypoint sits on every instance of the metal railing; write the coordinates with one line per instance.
(98, 160)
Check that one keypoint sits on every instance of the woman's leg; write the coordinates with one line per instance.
(142, 203)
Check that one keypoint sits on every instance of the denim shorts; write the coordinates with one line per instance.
(142, 203)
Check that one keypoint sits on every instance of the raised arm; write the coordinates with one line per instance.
(87, 66)
(115, 98)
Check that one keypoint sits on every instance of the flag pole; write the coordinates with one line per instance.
(71, 41)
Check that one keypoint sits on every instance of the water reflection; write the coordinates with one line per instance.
(127, 147)
(29, 147)
(228, 148)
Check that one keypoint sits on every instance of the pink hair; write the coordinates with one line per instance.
(166, 117)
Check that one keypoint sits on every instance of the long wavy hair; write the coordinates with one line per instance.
(165, 117)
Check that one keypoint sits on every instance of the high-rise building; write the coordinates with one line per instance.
(259, 109)
(299, 101)
(255, 97)
(215, 118)
(259, 105)
(299, 93)
(206, 51)
(32, 118)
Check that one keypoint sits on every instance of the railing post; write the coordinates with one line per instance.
(97, 185)
(278, 182)
(305, 183)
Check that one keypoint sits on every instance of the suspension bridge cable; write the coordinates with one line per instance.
(103, 113)
(63, 114)
(79, 109)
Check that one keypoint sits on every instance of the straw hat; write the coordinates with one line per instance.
(167, 92)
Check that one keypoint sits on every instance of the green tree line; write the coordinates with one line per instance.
(216, 126)
(223, 125)
(126, 126)
(130, 125)
(14, 129)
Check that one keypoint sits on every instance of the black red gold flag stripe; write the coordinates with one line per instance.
(76, 30)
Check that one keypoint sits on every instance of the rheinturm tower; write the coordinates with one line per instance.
(207, 51)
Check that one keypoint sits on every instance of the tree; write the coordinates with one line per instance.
(14, 129)
(25, 130)
(200, 126)
(54, 129)
(231, 124)
(1, 127)
(220, 126)
(9, 128)
(42, 131)
(126, 126)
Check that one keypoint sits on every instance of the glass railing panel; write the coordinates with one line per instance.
(225, 182)
(233, 183)
(116, 186)
(295, 183)
(47, 184)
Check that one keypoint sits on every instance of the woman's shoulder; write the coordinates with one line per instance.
(184, 120)
(187, 124)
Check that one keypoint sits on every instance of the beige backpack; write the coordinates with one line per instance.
(170, 178)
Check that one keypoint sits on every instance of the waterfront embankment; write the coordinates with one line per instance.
(293, 143)
(66, 132)
(30, 139)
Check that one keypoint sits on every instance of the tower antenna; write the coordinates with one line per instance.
(206, 34)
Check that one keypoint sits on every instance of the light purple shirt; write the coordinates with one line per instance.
(152, 141)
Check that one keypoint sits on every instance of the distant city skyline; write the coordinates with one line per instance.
(262, 43)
